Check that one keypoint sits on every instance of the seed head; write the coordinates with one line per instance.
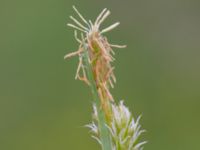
(100, 53)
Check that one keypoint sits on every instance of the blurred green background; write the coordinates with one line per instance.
(42, 107)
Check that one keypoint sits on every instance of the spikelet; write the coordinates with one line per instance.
(124, 129)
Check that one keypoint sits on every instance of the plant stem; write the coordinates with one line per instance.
(104, 132)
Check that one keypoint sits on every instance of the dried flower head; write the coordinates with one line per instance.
(100, 53)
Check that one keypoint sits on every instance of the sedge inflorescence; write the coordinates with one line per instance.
(123, 129)
(100, 54)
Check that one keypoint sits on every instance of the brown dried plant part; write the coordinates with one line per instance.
(100, 53)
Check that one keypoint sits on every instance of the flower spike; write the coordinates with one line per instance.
(113, 125)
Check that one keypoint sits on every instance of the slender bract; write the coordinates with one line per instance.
(103, 131)
(113, 125)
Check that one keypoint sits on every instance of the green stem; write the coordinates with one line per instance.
(104, 133)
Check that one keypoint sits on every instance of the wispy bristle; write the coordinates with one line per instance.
(110, 27)
(79, 14)
(103, 18)
(139, 145)
(78, 68)
(100, 15)
(78, 23)
(75, 27)
(91, 24)
(71, 55)
(118, 46)
(76, 37)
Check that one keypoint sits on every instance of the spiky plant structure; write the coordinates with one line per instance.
(113, 125)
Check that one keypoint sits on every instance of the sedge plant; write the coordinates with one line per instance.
(113, 125)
